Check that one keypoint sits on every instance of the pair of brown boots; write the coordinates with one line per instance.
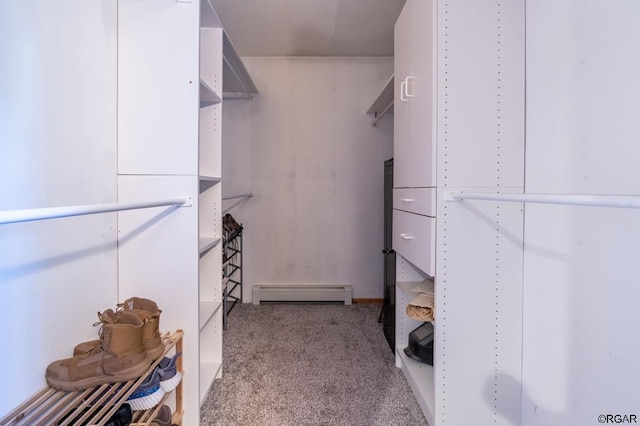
(129, 343)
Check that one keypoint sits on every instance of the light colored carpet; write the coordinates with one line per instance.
(288, 364)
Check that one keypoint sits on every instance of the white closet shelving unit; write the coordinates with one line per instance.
(414, 179)
(459, 126)
(210, 225)
(169, 137)
(168, 98)
(420, 376)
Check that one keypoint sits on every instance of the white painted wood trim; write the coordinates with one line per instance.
(302, 293)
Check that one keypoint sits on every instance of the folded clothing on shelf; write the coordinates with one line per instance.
(421, 307)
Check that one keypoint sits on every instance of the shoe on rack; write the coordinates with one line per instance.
(229, 223)
(122, 417)
(163, 418)
(106, 317)
(148, 394)
(170, 375)
(118, 357)
(148, 312)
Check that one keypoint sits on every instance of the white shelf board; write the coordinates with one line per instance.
(210, 178)
(384, 99)
(421, 380)
(208, 372)
(207, 311)
(207, 182)
(208, 243)
(207, 95)
(408, 286)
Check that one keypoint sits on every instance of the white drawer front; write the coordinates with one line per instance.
(414, 238)
(415, 200)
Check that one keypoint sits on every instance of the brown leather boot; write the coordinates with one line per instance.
(120, 356)
(106, 317)
(147, 310)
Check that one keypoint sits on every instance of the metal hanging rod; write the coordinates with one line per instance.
(231, 197)
(382, 114)
(246, 94)
(237, 68)
(621, 201)
(383, 103)
(29, 215)
(236, 203)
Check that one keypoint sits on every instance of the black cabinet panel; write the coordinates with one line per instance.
(389, 304)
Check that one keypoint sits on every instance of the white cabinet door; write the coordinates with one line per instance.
(402, 57)
(158, 69)
(421, 88)
(414, 118)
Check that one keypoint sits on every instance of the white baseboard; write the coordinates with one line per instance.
(302, 293)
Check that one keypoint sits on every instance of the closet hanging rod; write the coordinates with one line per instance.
(231, 197)
(239, 71)
(28, 215)
(246, 94)
(621, 201)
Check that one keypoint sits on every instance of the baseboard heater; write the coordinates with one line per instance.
(302, 293)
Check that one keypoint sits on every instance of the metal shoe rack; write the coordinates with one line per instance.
(231, 271)
(95, 406)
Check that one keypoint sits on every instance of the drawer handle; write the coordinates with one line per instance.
(407, 200)
(407, 236)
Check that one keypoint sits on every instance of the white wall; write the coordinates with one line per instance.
(57, 147)
(305, 148)
(581, 287)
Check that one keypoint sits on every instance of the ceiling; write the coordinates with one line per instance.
(310, 27)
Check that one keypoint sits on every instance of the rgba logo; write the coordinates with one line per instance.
(617, 418)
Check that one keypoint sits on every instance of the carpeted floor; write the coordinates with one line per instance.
(288, 364)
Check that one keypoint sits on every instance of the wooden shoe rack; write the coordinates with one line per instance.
(52, 407)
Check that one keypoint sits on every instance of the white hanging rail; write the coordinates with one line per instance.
(382, 114)
(237, 203)
(28, 215)
(622, 201)
(245, 94)
(383, 103)
(242, 86)
(231, 197)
